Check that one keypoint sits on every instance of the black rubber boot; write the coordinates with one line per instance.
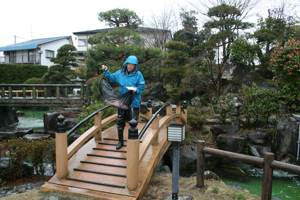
(121, 141)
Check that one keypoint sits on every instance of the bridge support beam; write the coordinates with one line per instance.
(133, 163)
(61, 146)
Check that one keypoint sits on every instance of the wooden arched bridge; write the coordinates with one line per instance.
(93, 167)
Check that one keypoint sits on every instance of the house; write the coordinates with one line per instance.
(151, 37)
(36, 51)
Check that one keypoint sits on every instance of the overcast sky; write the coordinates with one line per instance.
(33, 19)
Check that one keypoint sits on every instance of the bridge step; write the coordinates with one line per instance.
(97, 172)
(96, 155)
(110, 144)
(103, 164)
(112, 139)
(93, 182)
(101, 149)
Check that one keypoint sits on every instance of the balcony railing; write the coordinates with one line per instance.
(24, 59)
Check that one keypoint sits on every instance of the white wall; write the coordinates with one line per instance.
(53, 46)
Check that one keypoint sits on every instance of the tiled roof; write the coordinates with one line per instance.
(140, 29)
(30, 44)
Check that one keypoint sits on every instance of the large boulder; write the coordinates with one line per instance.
(258, 137)
(50, 120)
(8, 116)
(217, 130)
(231, 143)
(259, 150)
(286, 140)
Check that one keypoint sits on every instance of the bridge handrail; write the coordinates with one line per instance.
(151, 120)
(86, 119)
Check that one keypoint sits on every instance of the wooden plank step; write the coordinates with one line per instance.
(97, 183)
(105, 160)
(84, 192)
(112, 150)
(112, 144)
(112, 157)
(102, 178)
(99, 172)
(103, 164)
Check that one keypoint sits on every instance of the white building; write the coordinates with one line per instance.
(36, 52)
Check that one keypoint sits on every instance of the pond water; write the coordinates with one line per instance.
(284, 185)
(32, 119)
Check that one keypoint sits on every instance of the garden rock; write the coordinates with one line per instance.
(8, 116)
(222, 129)
(36, 136)
(15, 133)
(50, 119)
(231, 143)
(287, 137)
(258, 137)
(259, 150)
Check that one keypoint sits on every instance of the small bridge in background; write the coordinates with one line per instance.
(43, 95)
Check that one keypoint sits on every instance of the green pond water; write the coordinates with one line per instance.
(284, 186)
(32, 119)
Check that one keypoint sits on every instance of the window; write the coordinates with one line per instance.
(82, 42)
(49, 54)
(13, 57)
(31, 56)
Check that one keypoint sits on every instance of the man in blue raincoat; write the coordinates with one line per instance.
(129, 77)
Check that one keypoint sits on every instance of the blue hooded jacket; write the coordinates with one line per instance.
(133, 79)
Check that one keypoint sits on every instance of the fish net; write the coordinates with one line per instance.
(112, 97)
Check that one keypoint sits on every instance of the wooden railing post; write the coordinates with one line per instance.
(61, 146)
(3, 92)
(133, 163)
(24, 92)
(149, 106)
(169, 110)
(97, 122)
(33, 92)
(45, 92)
(66, 92)
(185, 112)
(200, 164)
(9, 92)
(266, 193)
(57, 92)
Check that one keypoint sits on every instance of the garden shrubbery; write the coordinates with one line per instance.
(18, 74)
(19, 151)
(256, 106)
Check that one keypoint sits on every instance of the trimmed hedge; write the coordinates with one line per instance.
(18, 74)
